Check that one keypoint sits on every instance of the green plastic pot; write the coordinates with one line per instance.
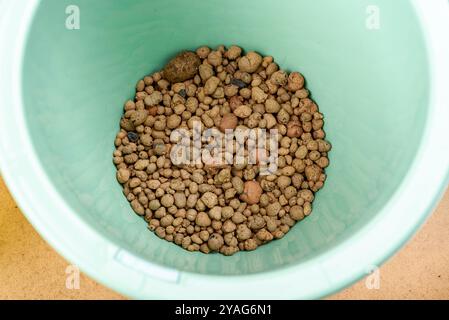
(382, 91)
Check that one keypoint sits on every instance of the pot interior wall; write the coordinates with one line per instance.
(371, 85)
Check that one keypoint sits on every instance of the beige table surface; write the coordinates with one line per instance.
(31, 269)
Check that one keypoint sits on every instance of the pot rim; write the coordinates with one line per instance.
(135, 277)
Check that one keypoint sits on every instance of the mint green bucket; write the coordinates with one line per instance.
(378, 70)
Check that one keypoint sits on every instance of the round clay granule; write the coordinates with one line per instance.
(250, 244)
(296, 213)
(209, 199)
(229, 121)
(250, 62)
(202, 219)
(215, 242)
(183, 67)
(251, 192)
(228, 226)
(123, 175)
(243, 232)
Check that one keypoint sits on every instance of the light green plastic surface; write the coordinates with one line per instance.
(382, 93)
(76, 82)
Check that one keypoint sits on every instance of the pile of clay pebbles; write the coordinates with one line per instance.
(221, 206)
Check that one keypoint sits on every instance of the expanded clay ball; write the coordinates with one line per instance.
(250, 62)
(202, 219)
(251, 192)
(215, 242)
(243, 111)
(233, 52)
(294, 129)
(123, 175)
(221, 208)
(228, 121)
(210, 199)
(295, 81)
(182, 67)
(297, 213)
